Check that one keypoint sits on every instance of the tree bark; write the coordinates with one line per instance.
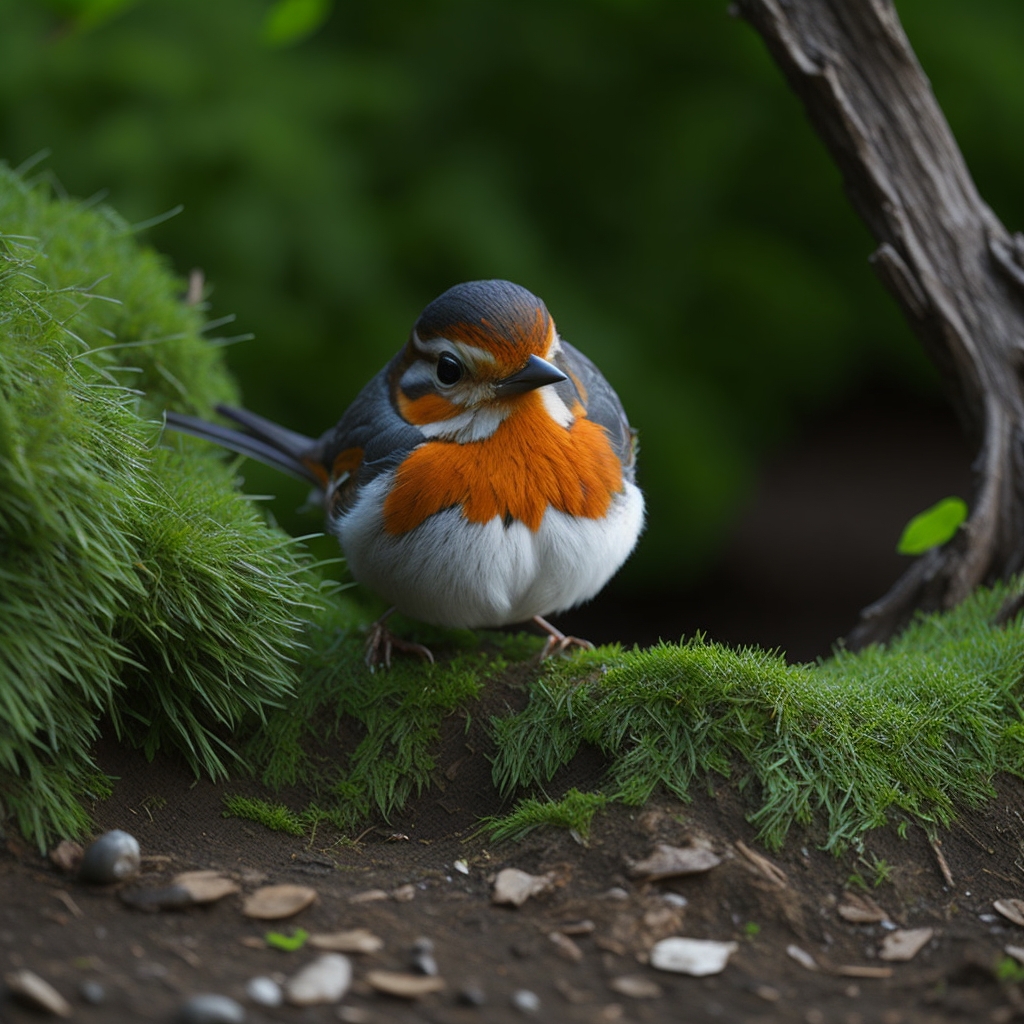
(954, 269)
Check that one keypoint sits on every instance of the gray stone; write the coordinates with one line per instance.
(526, 1001)
(325, 980)
(210, 1009)
(113, 857)
(264, 991)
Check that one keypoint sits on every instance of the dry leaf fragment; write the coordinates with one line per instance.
(1012, 910)
(905, 943)
(404, 986)
(861, 910)
(673, 861)
(369, 896)
(67, 856)
(636, 986)
(516, 887)
(355, 940)
(206, 886)
(863, 971)
(273, 902)
(802, 957)
(772, 872)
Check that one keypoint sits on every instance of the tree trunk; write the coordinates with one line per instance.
(956, 272)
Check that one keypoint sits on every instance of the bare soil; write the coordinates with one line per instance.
(149, 963)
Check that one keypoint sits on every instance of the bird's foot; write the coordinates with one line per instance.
(380, 642)
(557, 642)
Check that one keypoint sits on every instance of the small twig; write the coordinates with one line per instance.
(763, 865)
(65, 898)
(196, 283)
(943, 863)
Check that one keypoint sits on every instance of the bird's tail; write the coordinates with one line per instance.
(261, 440)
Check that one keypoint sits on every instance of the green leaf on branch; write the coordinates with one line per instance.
(933, 527)
(290, 21)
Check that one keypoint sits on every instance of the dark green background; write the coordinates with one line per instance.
(640, 164)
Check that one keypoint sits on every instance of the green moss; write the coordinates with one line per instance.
(276, 817)
(135, 582)
(575, 811)
(918, 727)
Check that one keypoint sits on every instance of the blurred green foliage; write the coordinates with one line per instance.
(638, 163)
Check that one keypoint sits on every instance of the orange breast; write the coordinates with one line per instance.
(528, 464)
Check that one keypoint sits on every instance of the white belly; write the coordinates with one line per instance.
(450, 572)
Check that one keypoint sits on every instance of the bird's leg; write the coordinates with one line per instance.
(557, 641)
(380, 641)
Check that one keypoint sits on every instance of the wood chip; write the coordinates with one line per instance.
(905, 943)
(67, 856)
(861, 971)
(355, 940)
(206, 886)
(1012, 910)
(65, 898)
(253, 942)
(861, 910)
(673, 861)
(585, 927)
(802, 957)
(32, 989)
(515, 887)
(771, 872)
(404, 893)
(273, 902)
(565, 947)
(636, 986)
(404, 986)
(369, 896)
(947, 875)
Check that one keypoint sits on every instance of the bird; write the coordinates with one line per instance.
(486, 476)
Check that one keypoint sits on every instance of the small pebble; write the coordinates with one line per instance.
(167, 897)
(325, 980)
(616, 892)
(526, 1001)
(423, 957)
(354, 1015)
(264, 991)
(472, 994)
(636, 986)
(113, 857)
(462, 867)
(673, 899)
(696, 957)
(210, 1009)
(92, 992)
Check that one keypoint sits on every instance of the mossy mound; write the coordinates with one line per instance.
(135, 582)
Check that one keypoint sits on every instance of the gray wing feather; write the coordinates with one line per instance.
(602, 405)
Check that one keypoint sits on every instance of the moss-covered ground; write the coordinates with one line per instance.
(142, 592)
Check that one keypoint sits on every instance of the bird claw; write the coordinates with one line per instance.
(557, 642)
(381, 641)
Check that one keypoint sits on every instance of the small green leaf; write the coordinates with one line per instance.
(932, 527)
(290, 21)
(289, 943)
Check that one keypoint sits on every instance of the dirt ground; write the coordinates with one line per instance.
(149, 963)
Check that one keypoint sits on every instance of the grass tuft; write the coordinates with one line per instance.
(575, 811)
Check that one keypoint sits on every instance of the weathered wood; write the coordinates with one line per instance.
(954, 269)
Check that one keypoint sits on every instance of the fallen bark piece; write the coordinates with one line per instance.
(1017, 952)
(802, 957)
(273, 902)
(863, 971)
(673, 861)
(32, 989)
(403, 985)
(861, 910)
(516, 887)
(1012, 910)
(635, 986)
(206, 886)
(355, 940)
(325, 980)
(905, 943)
(696, 957)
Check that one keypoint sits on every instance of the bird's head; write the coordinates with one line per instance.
(473, 354)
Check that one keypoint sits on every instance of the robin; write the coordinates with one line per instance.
(485, 476)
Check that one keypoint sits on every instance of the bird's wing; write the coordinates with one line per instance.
(602, 404)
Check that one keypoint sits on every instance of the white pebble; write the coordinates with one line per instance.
(210, 1009)
(325, 980)
(264, 991)
(696, 957)
(526, 1001)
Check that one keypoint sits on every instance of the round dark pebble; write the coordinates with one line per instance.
(113, 857)
(92, 992)
(472, 995)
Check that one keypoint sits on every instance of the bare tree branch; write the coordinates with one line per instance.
(956, 272)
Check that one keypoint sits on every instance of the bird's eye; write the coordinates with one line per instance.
(449, 369)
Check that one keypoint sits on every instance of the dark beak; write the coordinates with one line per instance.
(535, 374)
